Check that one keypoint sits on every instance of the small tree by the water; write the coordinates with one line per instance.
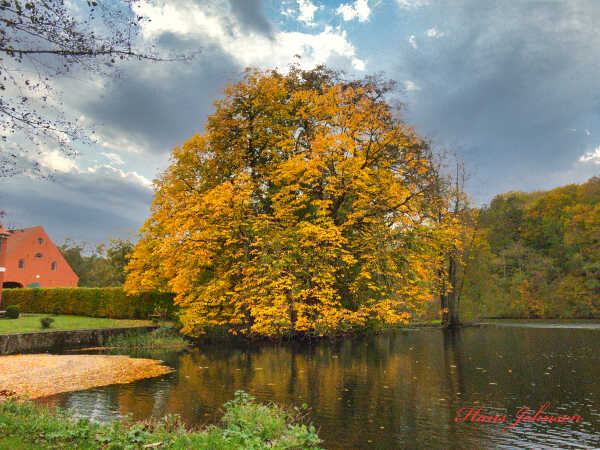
(307, 207)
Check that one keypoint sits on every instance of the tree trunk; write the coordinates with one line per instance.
(449, 299)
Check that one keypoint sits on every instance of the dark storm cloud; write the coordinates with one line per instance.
(157, 105)
(92, 207)
(157, 109)
(507, 85)
(250, 15)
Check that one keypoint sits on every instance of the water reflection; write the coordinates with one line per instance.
(397, 390)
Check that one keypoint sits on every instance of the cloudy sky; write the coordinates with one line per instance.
(512, 86)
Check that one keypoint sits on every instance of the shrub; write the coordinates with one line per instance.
(12, 312)
(92, 302)
(246, 424)
(46, 322)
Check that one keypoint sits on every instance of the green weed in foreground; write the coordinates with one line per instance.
(245, 425)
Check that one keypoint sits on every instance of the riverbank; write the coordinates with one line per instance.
(245, 424)
(161, 338)
(41, 375)
(59, 341)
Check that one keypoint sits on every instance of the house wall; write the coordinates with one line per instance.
(36, 269)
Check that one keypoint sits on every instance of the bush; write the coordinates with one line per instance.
(246, 424)
(46, 322)
(92, 302)
(12, 312)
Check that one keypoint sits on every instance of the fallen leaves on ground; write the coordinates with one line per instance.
(41, 375)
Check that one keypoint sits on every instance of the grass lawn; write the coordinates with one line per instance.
(31, 323)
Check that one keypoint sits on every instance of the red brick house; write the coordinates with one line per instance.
(32, 259)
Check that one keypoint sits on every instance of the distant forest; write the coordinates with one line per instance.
(536, 255)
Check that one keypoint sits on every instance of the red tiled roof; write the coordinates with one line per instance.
(17, 237)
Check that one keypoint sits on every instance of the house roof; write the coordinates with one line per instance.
(17, 237)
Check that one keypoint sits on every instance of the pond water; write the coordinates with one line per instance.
(400, 390)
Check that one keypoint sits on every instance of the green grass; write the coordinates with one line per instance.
(245, 425)
(159, 338)
(31, 322)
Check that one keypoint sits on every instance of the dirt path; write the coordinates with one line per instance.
(42, 375)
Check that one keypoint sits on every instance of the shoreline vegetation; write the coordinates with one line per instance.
(161, 338)
(245, 424)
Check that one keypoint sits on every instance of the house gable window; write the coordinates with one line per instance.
(40, 241)
(53, 265)
(38, 255)
(21, 263)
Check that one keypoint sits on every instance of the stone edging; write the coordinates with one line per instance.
(61, 340)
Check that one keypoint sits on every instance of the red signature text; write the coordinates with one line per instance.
(523, 415)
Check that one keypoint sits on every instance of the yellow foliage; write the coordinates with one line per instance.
(306, 207)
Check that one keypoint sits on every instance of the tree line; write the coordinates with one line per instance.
(537, 255)
(100, 266)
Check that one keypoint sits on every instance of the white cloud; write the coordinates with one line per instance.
(307, 11)
(412, 40)
(132, 176)
(288, 12)
(113, 158)
(56, 161)
(434, 33)
(412, 4)
(359, 10)
(112, 140)
(593, 156)
(587, 132)
(358, 64)
(410, 85)
(251, 49)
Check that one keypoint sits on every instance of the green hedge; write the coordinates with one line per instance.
(92, 302)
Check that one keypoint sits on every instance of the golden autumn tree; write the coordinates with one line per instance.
(305, 208)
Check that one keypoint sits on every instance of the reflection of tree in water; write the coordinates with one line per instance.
(406, 382)
(455, 386)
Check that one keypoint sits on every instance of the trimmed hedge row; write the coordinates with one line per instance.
(93, 302)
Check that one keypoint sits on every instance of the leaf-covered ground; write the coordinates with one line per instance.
(41, 375)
